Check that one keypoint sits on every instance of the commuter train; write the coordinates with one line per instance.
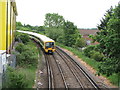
(47, 44)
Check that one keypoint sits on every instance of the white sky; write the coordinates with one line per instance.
(83, 13)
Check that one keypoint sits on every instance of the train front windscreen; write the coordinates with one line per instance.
(49, 44)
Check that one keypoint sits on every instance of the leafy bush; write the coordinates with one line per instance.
(88, 49)
(28, 57)
(96, 55)
(23, 37)
(27, 54)
(80, 42)
(106, 67)
(15, 79)
(20, 48)
(60, 39)
(20, 59)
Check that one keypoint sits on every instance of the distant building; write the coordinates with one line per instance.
(85, 34)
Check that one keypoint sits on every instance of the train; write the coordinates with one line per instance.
(48, 45)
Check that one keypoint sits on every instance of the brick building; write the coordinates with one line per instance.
(85, 34)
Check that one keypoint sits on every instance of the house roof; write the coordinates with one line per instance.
(88, 32)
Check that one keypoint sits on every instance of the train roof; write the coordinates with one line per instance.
(42, 37)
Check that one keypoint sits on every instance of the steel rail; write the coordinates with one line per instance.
(50, 74)
(81, 69)
(73, 72)
(61, 72)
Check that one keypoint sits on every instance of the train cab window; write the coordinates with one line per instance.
(49, 44)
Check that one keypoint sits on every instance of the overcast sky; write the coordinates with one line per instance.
(83, 13)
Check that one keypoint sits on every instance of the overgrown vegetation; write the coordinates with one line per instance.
(109, 39)
(109, 44)
(27, 55)
(23, 75)
(15, 79)
(92, 52)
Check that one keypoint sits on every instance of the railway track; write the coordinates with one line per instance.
(56, 78)
(64, 72)
(81, 76)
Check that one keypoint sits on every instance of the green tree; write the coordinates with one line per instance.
(80, 42)
(18, 25)
(70, 33)
(54, 26)
(54, 33)
(109, 39)
(54, 20)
